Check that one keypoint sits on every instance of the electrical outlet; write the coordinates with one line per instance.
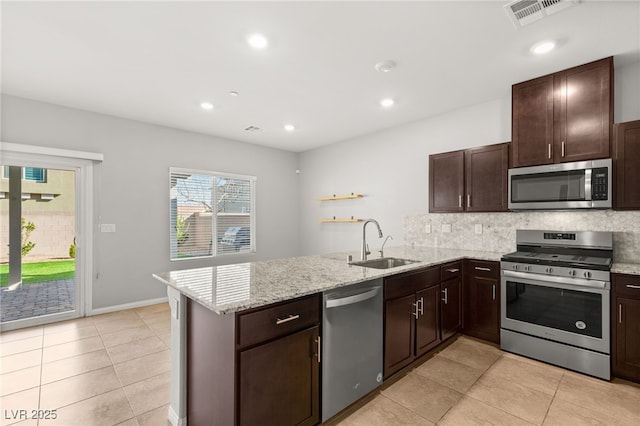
(427, 228)
(478, 228)
(446, 228)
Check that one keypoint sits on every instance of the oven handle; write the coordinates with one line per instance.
(578, 282)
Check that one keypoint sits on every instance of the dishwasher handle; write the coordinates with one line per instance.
(350, 300)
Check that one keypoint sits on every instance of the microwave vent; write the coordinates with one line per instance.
(525, 12)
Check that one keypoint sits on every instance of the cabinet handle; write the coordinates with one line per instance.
(421, 306)
(493, 291)
(290, 318)
(480, 268)
(319, 348)
(415, 312)
(549, 151)
(446, 296)
(453, 270)
(619, 313)
(562, 149)
(468, 200)
(460, 200)
(633, 286)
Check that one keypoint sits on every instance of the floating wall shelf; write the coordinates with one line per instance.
(340, 197)
(340, 220)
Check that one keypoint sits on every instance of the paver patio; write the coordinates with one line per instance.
(31, 300)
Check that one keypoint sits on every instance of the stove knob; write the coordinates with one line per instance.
(527, 268)
(572, 272)
(549, 270)
(587, 274)
(516, 267)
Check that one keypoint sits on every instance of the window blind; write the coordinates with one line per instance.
(211, 214)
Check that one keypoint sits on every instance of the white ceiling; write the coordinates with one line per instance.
(156, 61)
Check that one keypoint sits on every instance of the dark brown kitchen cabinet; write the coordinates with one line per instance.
(473, 180)
(625, 311)
(565, 116)
(411, 321)
(481, 310)
(243, 369)
(626, 165)
(450, 299)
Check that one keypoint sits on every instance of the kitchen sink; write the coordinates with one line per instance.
(384, 262)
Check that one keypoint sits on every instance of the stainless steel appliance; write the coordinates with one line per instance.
(352, 344)
(555, 299)
(578, 185)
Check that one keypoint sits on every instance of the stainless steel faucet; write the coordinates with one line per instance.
(365, 249)
(381, 251)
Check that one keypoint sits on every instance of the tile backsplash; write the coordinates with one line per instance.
(498, 230)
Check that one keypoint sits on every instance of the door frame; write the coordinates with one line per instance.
(83, 163)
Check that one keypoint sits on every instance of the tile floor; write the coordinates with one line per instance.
(110, 369)
(113, 369)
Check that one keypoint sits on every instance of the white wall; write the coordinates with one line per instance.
(132, 190)
(391, 167)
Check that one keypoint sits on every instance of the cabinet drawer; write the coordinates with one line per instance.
(626, 285)
(450, 270)
(483, 268)
(260, 325)
(404, 284)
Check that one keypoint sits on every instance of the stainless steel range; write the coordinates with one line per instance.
(555, 299)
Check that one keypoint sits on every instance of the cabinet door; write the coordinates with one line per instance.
(532, 122)
(583, 111)
(486, 170)
(399, 333)
(279, 382)
(484, 308)
(627, 165)
(446, 182)
(450, 307)
(428, 322)
(627, 342)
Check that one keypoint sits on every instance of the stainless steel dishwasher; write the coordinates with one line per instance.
(351, 344)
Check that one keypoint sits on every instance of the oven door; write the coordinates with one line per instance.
(567, 310)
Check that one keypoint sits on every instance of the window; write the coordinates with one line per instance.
(33, 174)
(211, 214)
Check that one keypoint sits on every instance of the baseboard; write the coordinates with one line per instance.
(126, 306)
(174, 419)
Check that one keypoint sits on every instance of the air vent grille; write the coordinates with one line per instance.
(524, 12)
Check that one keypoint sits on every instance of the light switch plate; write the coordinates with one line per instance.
(427, 228)
(107, 227)
(446, 228)
(478, 228)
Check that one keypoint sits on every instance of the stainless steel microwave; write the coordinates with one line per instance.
(578, 185)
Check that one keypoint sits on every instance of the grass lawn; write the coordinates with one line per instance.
(41, 271)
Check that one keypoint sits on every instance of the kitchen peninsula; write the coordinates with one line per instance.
(209, 305)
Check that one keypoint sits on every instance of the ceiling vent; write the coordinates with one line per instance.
(524, 12)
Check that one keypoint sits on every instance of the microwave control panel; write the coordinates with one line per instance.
(599, 184)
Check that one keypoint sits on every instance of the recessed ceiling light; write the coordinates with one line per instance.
(387, 102)
(385, 66)
(257, 41)
(289, 127)
(207, 106)
(543, 47)
(233, 93)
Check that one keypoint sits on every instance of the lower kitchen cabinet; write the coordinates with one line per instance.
(482, 300)
(409, 329)
(278, 374)
(625, 347)
(451, 301)
(422, 309)
(259, 366)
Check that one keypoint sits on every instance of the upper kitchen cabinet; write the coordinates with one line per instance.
(562, 117)
(473, 180)
(626, 157)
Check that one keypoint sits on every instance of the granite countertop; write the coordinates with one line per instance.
(231, 288)
(625, 268)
